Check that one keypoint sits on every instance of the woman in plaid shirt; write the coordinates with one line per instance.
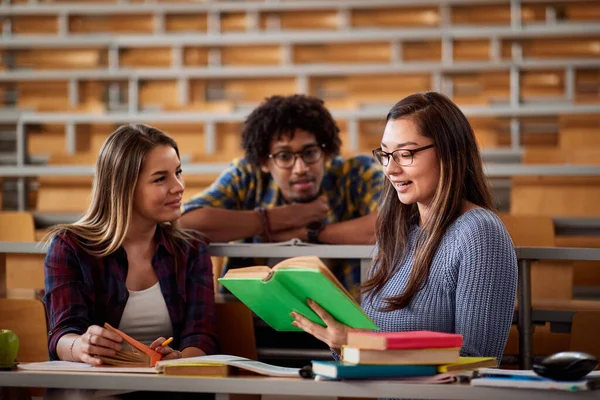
(124, 263)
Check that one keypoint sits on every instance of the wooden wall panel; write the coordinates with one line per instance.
(300, 20)
(49, 58)
(378, 52)
(34, 24)
(129, 23)
(233, 22)
(145, 57)
(158, 94)
(555, 196)
(396, 17)
(186, 23)
(251, 55)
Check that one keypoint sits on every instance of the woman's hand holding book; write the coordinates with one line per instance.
(96, 341)
(334, 334)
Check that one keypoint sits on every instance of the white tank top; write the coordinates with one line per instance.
(146, 316)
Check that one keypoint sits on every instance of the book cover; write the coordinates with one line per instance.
(132, 354)
(273, 294)
(468, 363)
(344, 370)
(403, 340)
(400, 357)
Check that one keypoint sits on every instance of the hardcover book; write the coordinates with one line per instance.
(132, 354)
(273, 294)
(400, 357)
(403, 340)
(344, 370)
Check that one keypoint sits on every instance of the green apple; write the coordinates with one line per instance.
(9, 347)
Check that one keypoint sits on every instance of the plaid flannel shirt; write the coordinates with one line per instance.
(82, 290)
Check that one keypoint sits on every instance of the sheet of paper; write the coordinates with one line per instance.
(69, 366)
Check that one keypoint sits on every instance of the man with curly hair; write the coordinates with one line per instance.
(291, 184)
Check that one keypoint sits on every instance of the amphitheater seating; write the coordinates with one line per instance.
(27, 318)
(24, 272)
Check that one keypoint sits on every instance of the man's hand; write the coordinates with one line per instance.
(298, 215)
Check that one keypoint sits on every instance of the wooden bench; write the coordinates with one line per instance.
(23, 271)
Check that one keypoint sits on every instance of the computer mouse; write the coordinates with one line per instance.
(566, 366)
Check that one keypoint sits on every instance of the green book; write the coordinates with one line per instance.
(273, 294)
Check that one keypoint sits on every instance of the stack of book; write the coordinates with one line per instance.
(372, 355)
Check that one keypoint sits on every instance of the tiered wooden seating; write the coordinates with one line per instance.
(585, 332)
(27, 318)
(550, 279)
(558, 196)
(348, 91)
(579, 131)
(24, 272)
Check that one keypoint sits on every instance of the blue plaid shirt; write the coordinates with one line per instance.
(352, 186)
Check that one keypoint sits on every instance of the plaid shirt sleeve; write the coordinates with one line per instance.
(199, 329)
(229, 191)
(67, 296)
(366, 184)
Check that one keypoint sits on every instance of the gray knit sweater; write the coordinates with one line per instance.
(471, 287)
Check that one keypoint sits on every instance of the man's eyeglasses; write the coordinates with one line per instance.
(402, 157)
(310, 155)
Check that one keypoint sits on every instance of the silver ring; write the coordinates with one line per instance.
(89, 337)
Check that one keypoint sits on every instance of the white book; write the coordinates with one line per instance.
(520, 383)
(218, 359)
(528, 379)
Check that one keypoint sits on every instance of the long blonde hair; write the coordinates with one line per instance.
(461, 178)
(102, 229)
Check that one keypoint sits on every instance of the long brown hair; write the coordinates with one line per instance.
(461, 178)
(102, 229)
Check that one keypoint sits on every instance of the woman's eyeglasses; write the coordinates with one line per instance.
(402, 157)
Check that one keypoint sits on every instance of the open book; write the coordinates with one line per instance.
(132, 354)
(194, 363)
(274, 293)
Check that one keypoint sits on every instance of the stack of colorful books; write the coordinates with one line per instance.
(372, 355)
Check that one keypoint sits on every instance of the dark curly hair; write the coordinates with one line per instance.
(280, 116)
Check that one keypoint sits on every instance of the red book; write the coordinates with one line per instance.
(403, 340)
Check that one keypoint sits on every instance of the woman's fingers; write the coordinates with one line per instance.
(320, 311)
(157, 343)
(172, 355)
(96, 330)
(88, 359)
(94, 350)
(102, 342)
(164, 350)
(308, 326)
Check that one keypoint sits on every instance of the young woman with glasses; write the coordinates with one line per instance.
(444, 261)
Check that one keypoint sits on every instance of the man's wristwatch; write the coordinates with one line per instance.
(312, 231)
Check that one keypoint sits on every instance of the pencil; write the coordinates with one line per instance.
(166, 342)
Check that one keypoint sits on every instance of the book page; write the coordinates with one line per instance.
(312, 262)
(259, 272)
(235, 361)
